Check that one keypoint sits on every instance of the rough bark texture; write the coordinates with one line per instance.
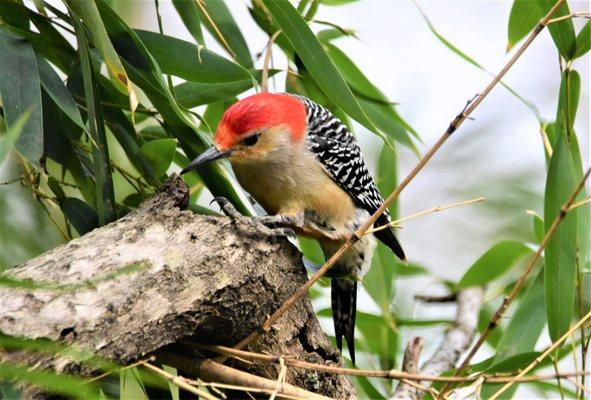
(186, 278)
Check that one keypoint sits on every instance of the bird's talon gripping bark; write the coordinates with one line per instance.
(227, 208)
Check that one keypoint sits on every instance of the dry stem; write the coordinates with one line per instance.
(386, 374)
(422, 213)
(265, 73)
(180, 382)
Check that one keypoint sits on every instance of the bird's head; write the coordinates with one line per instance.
(255, 129)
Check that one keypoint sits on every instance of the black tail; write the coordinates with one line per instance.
(344, 307)
(387, 237)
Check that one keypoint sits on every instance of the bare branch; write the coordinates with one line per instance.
(455, 342)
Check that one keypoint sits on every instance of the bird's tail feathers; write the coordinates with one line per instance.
(344, 308)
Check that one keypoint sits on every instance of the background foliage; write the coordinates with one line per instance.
(95, 114)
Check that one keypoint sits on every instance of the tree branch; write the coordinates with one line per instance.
(159, 278)
(455, 342)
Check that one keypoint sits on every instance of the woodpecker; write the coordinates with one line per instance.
(305, 168)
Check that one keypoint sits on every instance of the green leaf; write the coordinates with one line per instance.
(105, 197)
(563, 32)
(583, 41)
(379, 336)
(20, 91)
(561, 251)
(494, 263)
(82, 216)
(193, 94)
(188, 61)
(130, 385)
(88, 12)
(375, 104)
(189, 13)
(568, 101)
(526, 324)
(317, 62)
(10, 137)
(174, 389)
(159, 154)
(66, 385)
(56, 89)
(524, 17)
(472, 61)
(538, 224)
(232, 40)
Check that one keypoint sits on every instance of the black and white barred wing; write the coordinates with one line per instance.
(336, 148)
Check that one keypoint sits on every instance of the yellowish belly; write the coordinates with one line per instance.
(296, 190)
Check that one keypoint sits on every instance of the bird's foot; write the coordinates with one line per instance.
(227, 208)
(277, 225)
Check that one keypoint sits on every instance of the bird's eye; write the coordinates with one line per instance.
(251, 140)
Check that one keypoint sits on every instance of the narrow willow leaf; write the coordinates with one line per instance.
(568, 100)
(189, 13)
(380, 337)
(224, 24)
(174, 389)
(317, 62)
(380, 280)
(526, 324)
(10, 137)
(563, 32)
(82, 216)
(105, 197)
(494, 263)
(20, 90)
(130, 385)
(193, 94)
(124, 131)
(583, 41)
(522, 20)
(59, 134)
(56, 89)
(66, 385)
(561, 252)
(88, 12)
(188, 61)
(375, 104)
(538, 224)
(159, 154)
(472, 61)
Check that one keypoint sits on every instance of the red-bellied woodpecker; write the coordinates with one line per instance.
(306, 170)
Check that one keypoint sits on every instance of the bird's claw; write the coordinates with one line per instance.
(272, 222)
(227, 208)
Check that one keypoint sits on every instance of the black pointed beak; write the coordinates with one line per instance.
(208, 155)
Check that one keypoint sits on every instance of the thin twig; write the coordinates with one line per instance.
(161, 30)
(216, 385)
(453, 126)
(126, 367)
(580, 203)
(569, 16)
(265, 73)
(385, 374)
(422, 213)
(541, 357)
(583, 388)
(215, 28)
(180, 382)
(517, 287)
